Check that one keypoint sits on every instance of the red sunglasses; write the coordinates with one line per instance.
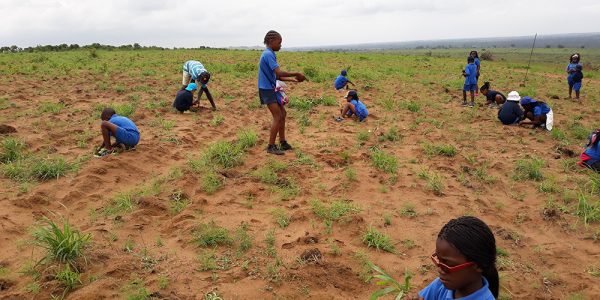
(448, 269)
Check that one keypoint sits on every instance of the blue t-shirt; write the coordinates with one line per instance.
(124, 123)
(340, 82)
(471, 71)
(593, 152)
(571, 68)
(541, 109)
(266, 70)
(437, 291)
(477, 62)
(361, 109)
(194, 68)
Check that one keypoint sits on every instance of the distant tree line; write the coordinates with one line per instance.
(97, 46)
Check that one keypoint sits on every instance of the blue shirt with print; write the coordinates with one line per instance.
(266, 70)
(340, 82)
(541, 109)
(477, 62)
(471, 72)
(437, 291)
(194, 68)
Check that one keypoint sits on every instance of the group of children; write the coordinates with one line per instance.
(465, 249)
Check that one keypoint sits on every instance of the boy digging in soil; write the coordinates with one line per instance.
(123, 129)
(185, 98)
(353, 107)
(195, 71)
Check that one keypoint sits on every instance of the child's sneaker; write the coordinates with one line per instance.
(283, 145)
(464, 104)
(472, 104)
(103, 152)
(272, 149)
(338, 119)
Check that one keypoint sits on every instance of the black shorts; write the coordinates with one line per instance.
(267, 96)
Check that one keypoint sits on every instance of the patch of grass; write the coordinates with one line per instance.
(366, 270)
(211, 182)
(51, 107)
(270, 242)
(375, 239)
(411, 106)
(434, 181)
(350, 174)
(441, 149)
(12, 150)
(385, 162)
(529, 169)
(125, 109)
(247, 138)
(136, 290)
(178, 202)
(338, 210)
(122, 203)
(217, 120)
(408, 210)
(163, 282)
(64, 244)
(210, 235)
(392, 135)
(221, 154)
(68, 279)
(50, 168)
(363, 136)
(280, 217)
(243, 238)
(588, 208)
(207, 260)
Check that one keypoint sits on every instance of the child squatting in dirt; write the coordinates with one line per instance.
(126, 134)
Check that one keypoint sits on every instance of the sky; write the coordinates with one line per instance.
(225, 23)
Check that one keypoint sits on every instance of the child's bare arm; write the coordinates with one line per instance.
(285, 76)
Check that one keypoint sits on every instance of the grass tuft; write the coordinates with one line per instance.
(385, 162)
(64, 245)
(210, 235)
(375, 239)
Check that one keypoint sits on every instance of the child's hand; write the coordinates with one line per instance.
(300, 77)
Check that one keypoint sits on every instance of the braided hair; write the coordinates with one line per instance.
(271, 35)
(485, 86)
(474, 239)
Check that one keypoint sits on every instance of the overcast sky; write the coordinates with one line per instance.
(223, 23)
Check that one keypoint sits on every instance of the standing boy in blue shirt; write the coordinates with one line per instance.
(470, 74)
(341, 81)
(122, 128)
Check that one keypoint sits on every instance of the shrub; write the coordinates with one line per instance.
(486, 55)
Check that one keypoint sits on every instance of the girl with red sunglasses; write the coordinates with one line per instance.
(465, 257)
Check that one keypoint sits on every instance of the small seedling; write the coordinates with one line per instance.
(392, 286)
(210, 235)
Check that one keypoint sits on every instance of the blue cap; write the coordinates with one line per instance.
(527, 100)
(191, 87)
(344, 72)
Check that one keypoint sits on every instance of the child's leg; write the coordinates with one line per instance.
(185, 80)
(276, 113)
(529, 115)
(570, 90)
(282, 124)
(345, 110)
(107, 129)
(472, 96)
(210, 98)
(464, 96)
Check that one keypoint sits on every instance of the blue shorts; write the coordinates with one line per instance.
(570, 80)
(127, 138)
(577, 86)
(267, 96)
(470, 87)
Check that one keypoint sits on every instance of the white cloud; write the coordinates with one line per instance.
(190, 23)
